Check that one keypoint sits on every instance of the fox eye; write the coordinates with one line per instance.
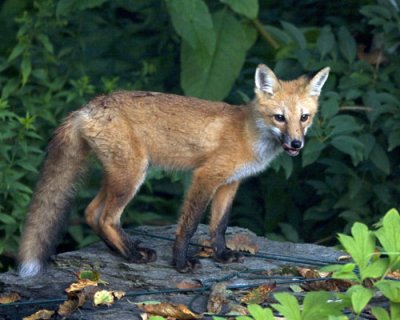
(304, 117)
(279, 117)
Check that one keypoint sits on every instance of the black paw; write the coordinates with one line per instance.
(191, 264)
(228, 256)
(140, 254)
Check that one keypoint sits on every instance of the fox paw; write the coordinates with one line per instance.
(228, 256)
(141, 254)
(191, 264)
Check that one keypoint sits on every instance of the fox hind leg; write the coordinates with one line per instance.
(220, 208)
(125, 168)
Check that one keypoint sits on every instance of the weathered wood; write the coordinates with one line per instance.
(121, 275)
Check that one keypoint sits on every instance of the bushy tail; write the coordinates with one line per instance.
(48, 209)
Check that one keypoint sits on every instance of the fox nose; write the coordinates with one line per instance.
(296, 144)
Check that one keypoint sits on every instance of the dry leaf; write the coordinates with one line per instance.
(78, 286)
(218, 298)
(104, 297)
(238, 309)
(241, 242)
(344, 258)
(118, 294)
(324, 285)
(205, 251)
(9, 298)
(68, 307)
(374, 57)
(40, 315)
(165, 309)
(394, 274)
(259, 294)
(188, 284)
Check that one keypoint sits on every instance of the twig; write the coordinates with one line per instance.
(355, 108)
(265, 34)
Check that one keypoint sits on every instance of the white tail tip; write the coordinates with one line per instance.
(30, 268)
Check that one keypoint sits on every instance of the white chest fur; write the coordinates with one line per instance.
(265, 150)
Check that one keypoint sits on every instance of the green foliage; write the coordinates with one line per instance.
(56, 55)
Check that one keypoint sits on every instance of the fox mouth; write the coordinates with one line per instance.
(291, 151)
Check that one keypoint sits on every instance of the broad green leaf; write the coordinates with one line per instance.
(360, 297)
(248, 8)
(330, 105)
(44, 39)
(259, 313)
(380, 313)
(288, 306)
(395, 310)
(312, 151)
(390, 289)
(389, 236)
(193, 22)
(349, 145)
(316, 306)
(360, 246)
(296, 34)
(376, 269)
(214, 78)
(325, 42)
(393, 139)
(347, 44)
(380, 158)
(343, 125)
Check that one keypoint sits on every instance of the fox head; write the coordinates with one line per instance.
(286, 109)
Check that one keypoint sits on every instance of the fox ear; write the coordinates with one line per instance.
(318, 81)
(266, 80)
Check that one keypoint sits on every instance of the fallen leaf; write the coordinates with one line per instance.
(165, 309)
(344, 258)
(118, 294)
(103, 297)
(242, 242)
(205, 250)
(259, 294)
(218, 298)
(394, 274)
(68, 307)
(374, 57)
(78, 286)
(40, 315)
(325, 284)
(191, 284)
(88, 275)
(237, 310)
(9, 298)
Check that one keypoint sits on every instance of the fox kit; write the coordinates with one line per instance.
(129, 131)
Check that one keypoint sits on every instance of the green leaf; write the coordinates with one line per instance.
(212, 79)
(7, 219)
(389, 236)
(17, 51)
(193, 22)
(360, 246)
(380, 313)
(316, 306)
(393, 140)
(343, 124)
(360, 297)
(259, 313)
(347, 44)
(312, 151)
(44, 39)
(390, 289)
(349, 145)
(65, 7)
(376, 269)
(288, 306)
(395, 310)
(248, 8)
(296, 34)
(325, 42)
(380, 158)
(26, 68)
